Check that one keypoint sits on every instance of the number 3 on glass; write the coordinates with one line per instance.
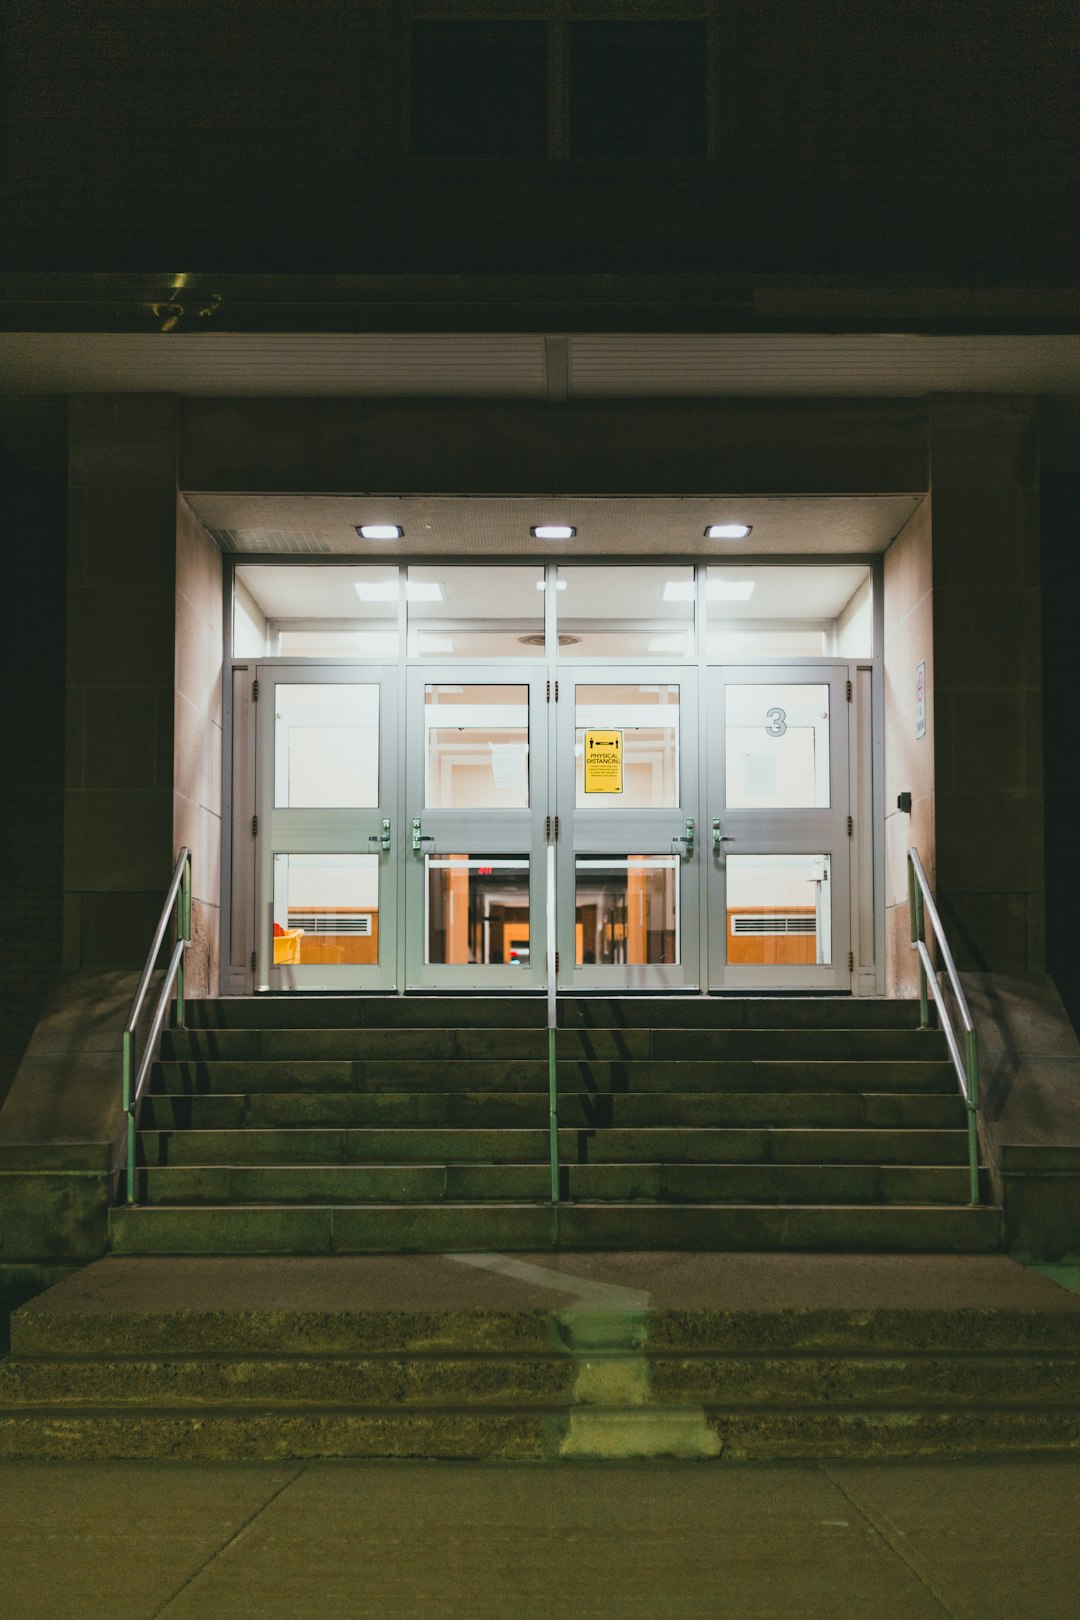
(777, 722)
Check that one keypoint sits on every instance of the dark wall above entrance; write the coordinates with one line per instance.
(619, 447)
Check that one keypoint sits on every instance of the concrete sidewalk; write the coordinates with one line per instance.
(506, 1541)
(287, 1288)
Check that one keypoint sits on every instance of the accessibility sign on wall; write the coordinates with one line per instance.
(603, 762)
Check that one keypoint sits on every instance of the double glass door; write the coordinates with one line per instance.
(701, 837)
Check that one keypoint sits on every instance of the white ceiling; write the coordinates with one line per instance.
(325, 525)
(591, 594)
(512, 366)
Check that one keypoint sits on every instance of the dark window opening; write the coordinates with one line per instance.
(479, 90)
(638, 90)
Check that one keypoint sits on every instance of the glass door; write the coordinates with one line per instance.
(778, 838)
(326, 828)
(628, 857)
(475, 828)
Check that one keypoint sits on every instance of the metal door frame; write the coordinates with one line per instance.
(806, 831)
(314, 831)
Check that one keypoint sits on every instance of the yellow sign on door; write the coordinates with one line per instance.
(603, 762)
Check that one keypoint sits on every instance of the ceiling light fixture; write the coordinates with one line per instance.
(385, 590)
(730, 590)
(380, 531)
(423, 590)
(679, 590)
(552, 531)
(728, 531)
(560, 585)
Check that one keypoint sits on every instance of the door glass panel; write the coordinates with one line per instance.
(626, 910)
(476, 747)
(641, 613)
(637, 725)
(477, 910)
(475, 612)
(777, 746)
(326, 909)
(326, 747)
(779, 910)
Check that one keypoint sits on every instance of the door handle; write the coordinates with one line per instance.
(381, 838)
(718, 837)
(686, 839)
(419, 839)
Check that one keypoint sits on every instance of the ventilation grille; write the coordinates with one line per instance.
(795, 923)
(355, 922)
(299, 542)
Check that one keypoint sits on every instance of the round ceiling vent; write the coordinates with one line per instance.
(565, 640)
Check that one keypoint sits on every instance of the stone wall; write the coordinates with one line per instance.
(121, 615)
(909, 762)
(988, 681)
(198, 716)
(32, 751)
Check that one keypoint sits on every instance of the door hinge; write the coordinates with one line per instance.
(254, 691)
(254, 826)
(556, 829)
(851, 961)
(547, 829)
(253, 961)
(850, 826)
(556, 961)
(849, 691)
(556, 691)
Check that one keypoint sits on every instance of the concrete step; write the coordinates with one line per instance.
(177, 1111)
(435, 1145)
(544, 1379)
(304, 1184)
(609, 1045)
(462, 1228)
(353, 1011)
(743, 1433)
(507, 1012)
(198, 1076)
(668, 1304)
(813, 1355)
(737, 1012)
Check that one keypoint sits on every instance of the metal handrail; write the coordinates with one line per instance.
(553, 1084)
(921, 905)
(135, 1077)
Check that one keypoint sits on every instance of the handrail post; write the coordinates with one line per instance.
(553, 1082)
(129, 1113)
(971, 1066)
(183, 931)
(917, 920)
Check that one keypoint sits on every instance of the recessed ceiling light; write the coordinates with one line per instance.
(730, 590)
(679, 590)
(552, 531)
(728, 531)
(385, 590)
(423, 590)
(380, 531)
(560, 585)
